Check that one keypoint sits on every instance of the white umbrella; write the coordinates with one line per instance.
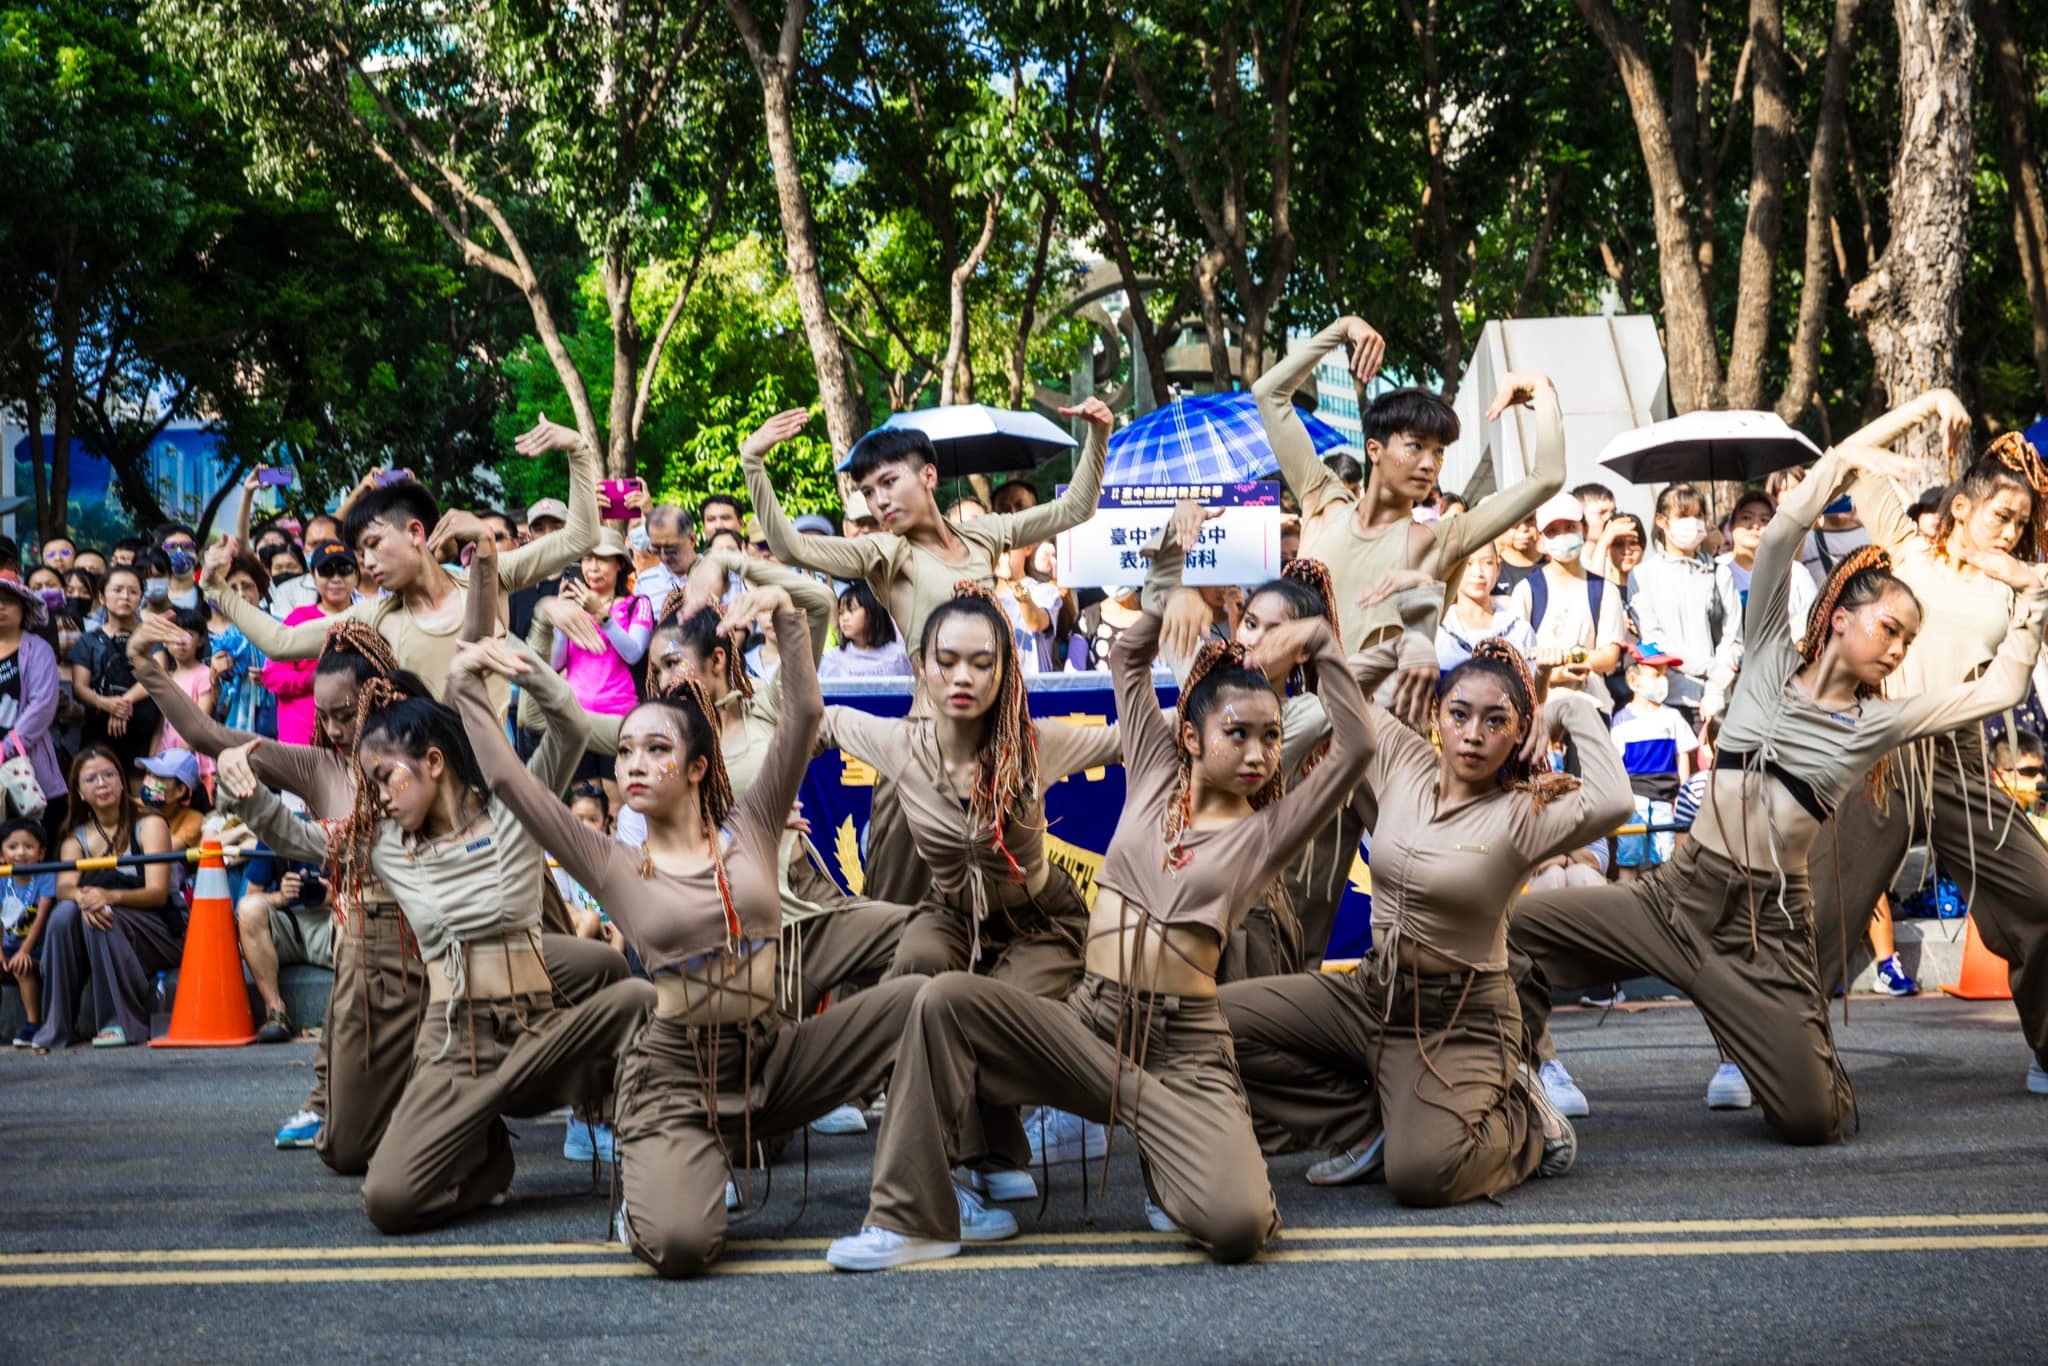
(1705, 446)
(973, 438)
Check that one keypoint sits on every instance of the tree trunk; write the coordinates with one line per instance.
(1821, 167)
(1208, 277)
(2013, 96)
(620, 459)
(1691, 355)
(1770, 132)
(956, 332)
(1909, 306)
(1027, 315)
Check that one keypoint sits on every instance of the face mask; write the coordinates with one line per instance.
(78, 608)
(1684, 534)
(155, 795)
(53, 598)
(182, 563)
(1564, 548)
(156, 588)
(1654, 689)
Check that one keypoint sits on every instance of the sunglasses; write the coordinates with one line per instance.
(2029, 771)
(335, 569)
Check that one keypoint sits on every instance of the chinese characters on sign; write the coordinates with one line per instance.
(1241, 547)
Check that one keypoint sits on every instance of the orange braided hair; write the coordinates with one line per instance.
(714, 794)
(2018, 455)
(1006, 777)
(1876, 563)
(1212, 658)
(349, 839)
(1544, 785)
(360, 638)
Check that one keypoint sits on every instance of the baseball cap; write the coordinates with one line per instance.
(856, 505)
(1560, 507)
(548, 507)
(323, 553)
(1651, 653)
(173, 763)
(815, 524)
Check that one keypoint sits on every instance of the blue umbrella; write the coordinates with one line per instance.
(1203, 439)
(973, 438)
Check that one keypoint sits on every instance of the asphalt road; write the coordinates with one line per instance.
(147, 1217)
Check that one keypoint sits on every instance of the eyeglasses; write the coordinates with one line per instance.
(2029, 771)
(668, 549)
(335, 569)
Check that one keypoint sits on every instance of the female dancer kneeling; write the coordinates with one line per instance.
(1208, 791)
(718, 1064)
(1286, 933)
(1425, 1037)
(1729, 921)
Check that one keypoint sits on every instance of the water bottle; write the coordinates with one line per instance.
(160, 1015)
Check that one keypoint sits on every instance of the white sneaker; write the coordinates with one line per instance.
(1603, 998)
(1729, 1090)
(979, 1223)
(847, 1119)
(1559, 1151)
(732, 1196)
(878, 1249)
(1002, 1187)
(619, 1227)
(1158, 1219)
(1361, 1162)
(2037, 1078)
(1564, 1093)
(1057, 1136)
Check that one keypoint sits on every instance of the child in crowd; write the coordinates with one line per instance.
(169, 791)
(25, 903)
(868, 644)
(1656, 748)
(2016, 766)
(589, 804)
(192, 667)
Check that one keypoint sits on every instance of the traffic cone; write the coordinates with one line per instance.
(212, 1005)
(1985, 976)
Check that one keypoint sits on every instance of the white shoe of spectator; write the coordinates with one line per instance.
(1729, 1090)
(1157, 1218)
(1003, 1187)
(1057, 1136)
(1564, 1093)
(2037, 1078)
(847, 1119)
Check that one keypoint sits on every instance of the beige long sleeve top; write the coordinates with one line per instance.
(669, 918)
(1771, 721)
(910, 579)
(420, 649)
(1330, 532)
(1226, 868)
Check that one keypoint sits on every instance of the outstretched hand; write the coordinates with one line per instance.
(233, 771)
(457, 525)
(1368, 349)
(1955, 423)
(219, 556)
(1516, 387)
(1184, 624)
(774, 432)
(2014, 573)
(573, 622)
(1879, 462)
(548, 436)
(492, 657)
(1094, 412)
(150, 632)
(751, 606)
(1282, 644)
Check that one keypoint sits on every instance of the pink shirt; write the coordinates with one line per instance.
(603, 680)
(291, 682)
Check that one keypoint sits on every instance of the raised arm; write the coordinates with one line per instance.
(1910, 414)
(834, 555)
(281, 829)
(1882, 514)
(202, 734)
(1766, 621)
(1465, 532)
(539, 807)
(1603, 799)
(1295, 818)
(529, 564)
(1065, 748)
(765, 808)
(275, 639)
(810, 597)
(1315, 488)
(2002, 685)
(1078, 503)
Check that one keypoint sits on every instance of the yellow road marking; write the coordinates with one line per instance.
(620, 1265)
(413, 1252)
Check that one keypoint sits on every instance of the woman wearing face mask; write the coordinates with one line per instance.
(335, 581)
(1413, 1065)
(1729, 920)
(118, 713)
(1203, 834)
(29, 691)
(1990, 547)
(1674, 599)
(718, 1066)
(119, 926)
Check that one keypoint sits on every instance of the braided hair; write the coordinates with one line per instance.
(689, 702)
(2010, 462)
(1494, 658)
(1006, 774)
(1304, 585)
(699, 634)
(1864, 576)
(1218, 668)
(350, 837)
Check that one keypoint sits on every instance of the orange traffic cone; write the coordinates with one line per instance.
(212, 1006)
(1985, 976)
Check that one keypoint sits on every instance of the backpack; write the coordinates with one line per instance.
(1539, 597)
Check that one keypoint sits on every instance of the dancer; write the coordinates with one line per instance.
(1365, 536)
(1142, 1042)
(1286, 933)
(399, 534)
(1425, 1037)
(1729, 920)
(717, 1066)
(373, 1010)
(913, 563)
(1994, 518)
